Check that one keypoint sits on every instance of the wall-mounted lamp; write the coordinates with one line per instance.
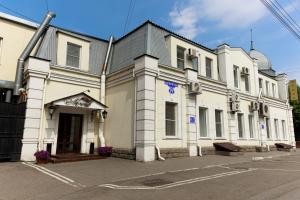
(51, 110)
(104, 114)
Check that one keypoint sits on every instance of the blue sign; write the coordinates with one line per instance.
(262, 126)
(171, 86)
(192, 120)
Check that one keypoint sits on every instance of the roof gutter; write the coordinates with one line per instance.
(35, 38)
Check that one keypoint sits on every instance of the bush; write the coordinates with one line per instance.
(104, 151)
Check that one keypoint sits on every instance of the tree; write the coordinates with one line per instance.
(296, 115)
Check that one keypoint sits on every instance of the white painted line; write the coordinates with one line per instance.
(55, 175)
(285, 161)
(183, 170)
(284, 170)
(175, 184)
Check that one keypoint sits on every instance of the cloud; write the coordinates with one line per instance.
(186, 18)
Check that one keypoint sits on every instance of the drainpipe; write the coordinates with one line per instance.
(35, 38)
(102, 90)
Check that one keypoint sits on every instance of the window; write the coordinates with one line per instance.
(268, 128)
(235, 76)
(241, 125)
(276, 128)
(267, 88)
(247, 84)
(180, 57)
(195, 63)
(251, 125)
(73, 55)
(218, 120)
(203, 122)
(283, 129)
(260, 82)
(170, 119)
(274, 90)
(208, 64)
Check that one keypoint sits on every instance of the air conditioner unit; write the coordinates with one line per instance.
(245, 71)
(234, 97)
(192, 53)
(254, 106)
(235, 106)
(264, 110)
(195, 88)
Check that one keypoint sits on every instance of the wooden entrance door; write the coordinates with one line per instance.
(69, 133)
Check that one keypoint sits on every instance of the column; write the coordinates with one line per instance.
(290, 131)
(191, 106)
(146, 69)
(36, 71)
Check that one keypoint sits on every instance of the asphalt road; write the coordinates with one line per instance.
(273, 175)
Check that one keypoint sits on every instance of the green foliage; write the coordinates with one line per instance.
(296, 115)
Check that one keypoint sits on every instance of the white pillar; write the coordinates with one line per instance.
(36, 71)
(291, 132)
(191, 106)
(146, 68)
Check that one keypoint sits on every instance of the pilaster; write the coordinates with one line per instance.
(36, 71)
(191, 107)
(146, 69)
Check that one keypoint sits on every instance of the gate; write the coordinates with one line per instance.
(12, 117)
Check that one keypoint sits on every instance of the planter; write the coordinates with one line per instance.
(41, 160)
(104, 151)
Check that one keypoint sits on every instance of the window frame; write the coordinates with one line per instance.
(261, 85)
(242, 128)
(248, 84)
(206, 122)
(221, 123)
(236, 76)
(251, 126)
(181, 59)
(276, 127)
(267, 88)
(268, 128)
(197, 61)
(274, 90)
(172, 120)
(211, 67)
(283, 127)
(79, 56)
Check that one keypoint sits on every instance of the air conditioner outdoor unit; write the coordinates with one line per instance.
(254, 106)
(234, 97)
(195, 88)
(245, 71)
(264, 110)
(235, 106)
(192, 53)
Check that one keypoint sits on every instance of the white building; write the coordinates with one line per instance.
(160, 91)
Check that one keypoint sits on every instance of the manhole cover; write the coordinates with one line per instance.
(156, 182)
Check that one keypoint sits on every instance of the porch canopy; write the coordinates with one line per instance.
(80, 100)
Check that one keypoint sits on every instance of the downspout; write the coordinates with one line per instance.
(35, 38)
(102, 90)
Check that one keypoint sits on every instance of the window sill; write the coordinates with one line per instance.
(221, 138)
(171, 138)
(204, 138)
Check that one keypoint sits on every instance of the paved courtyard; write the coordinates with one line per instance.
(273, 175)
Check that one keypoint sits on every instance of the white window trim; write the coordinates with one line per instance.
(283, 128)
(207, 123)
(211, 68)
(243, 126)
(276, 129)
(80, 56)
(184, 62)
(237, 76)
(253, 127)
(222, 125)
(270, 128)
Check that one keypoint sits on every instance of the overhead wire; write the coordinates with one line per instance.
(17, 13)
(130, 10)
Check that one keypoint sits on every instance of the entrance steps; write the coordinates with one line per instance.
(73, 157)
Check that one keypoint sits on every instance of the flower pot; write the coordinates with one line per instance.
(41, 160)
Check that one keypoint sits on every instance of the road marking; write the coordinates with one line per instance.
(175, 184)
(289, 161)
(284, 170)
(183, 170)
(55, 175)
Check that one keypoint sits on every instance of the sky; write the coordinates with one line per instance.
(209, 22)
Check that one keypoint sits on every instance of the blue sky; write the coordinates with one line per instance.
(209, 22)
